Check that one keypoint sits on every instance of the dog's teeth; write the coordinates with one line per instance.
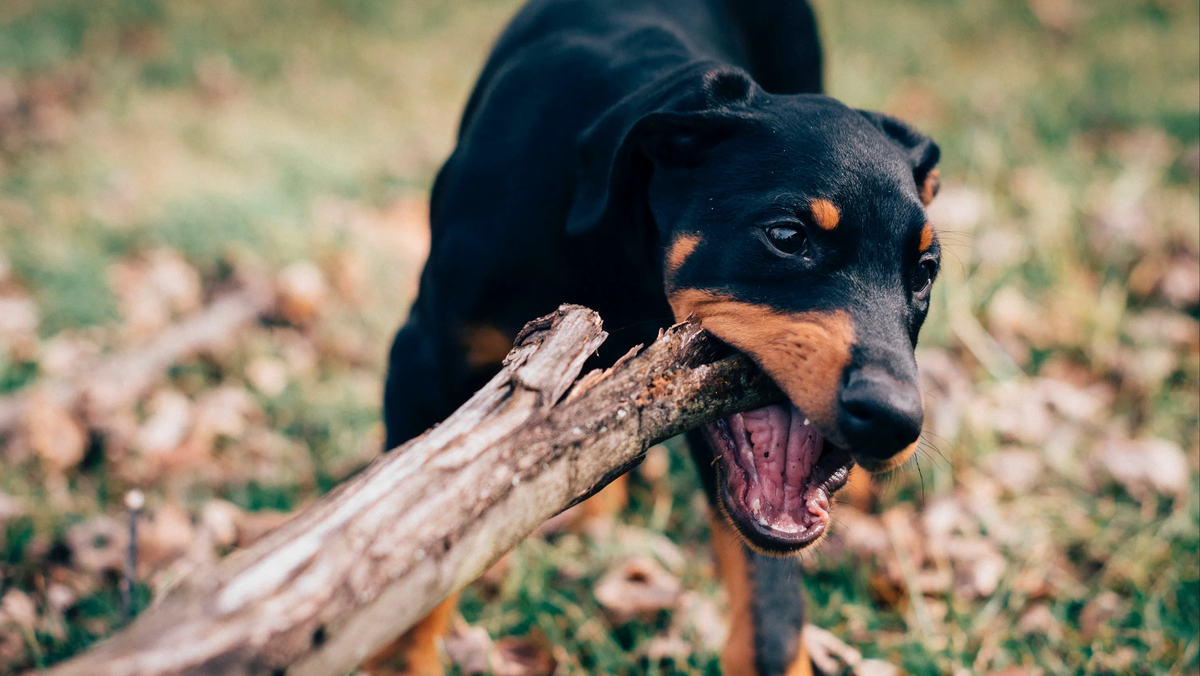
(806, 422)
(757, 505)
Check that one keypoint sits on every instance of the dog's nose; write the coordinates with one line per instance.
(880, 415)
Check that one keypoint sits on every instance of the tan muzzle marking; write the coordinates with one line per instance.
(804, 352)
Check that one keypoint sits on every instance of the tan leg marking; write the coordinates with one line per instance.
(805, 353)
(416, 652)
(825, 213)
(802, 665)
(738, 657)
(486, 345)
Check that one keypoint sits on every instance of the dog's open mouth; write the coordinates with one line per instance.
(776, 475)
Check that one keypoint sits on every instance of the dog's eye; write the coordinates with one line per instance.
(923, 278)
(787, 240)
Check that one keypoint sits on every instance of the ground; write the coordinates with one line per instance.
(155, 155)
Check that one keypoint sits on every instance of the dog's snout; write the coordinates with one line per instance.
(880, 416)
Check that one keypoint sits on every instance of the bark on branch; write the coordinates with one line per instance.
(371, 558)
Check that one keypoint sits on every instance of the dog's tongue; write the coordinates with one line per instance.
(777, 449)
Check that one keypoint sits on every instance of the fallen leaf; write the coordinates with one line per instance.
(469, 647)
(302, 290)
(1015, 469)
(1145, 466)
(170, 418)
(219, 522)
(267, 375)
(524, 656)
(1040, 621)
(98, 545)
(18, 608)
(827, 651)
(53, 434)
(1098, 613)
(667, 647)
(638, 587)
(697, 617)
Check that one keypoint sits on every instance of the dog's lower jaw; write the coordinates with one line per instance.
(776, 477)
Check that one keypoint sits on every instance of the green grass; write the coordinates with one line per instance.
(249, 135)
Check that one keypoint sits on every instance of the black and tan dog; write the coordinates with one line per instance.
(655, 159)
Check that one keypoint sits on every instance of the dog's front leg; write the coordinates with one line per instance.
(766, 609)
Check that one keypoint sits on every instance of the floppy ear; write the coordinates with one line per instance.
(922, 152)
(670, 122)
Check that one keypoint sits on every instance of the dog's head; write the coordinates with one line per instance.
(794, 229)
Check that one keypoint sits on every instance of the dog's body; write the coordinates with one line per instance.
(664, 158)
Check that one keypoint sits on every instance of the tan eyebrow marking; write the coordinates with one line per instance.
(926, 237)
(680, 249)
(824, 213)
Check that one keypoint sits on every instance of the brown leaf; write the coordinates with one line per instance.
(524, 656)
(1098, 613)
(468, 647)
(16, 607)
(1145, 466)
(1040, 621)
(219, 522)
(53, 434)
(667, 647)
(638, 587)
(267, 375)
(302, 291)
(98, 544)
(165, 536)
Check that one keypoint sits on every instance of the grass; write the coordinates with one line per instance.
(250, 135)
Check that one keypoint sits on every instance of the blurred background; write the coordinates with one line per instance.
(213, 213)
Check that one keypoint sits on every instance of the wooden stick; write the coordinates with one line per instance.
(368, 560)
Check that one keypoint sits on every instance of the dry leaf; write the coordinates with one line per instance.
(219, 521)
(98, 544)
(16, 607)
(53, 434)
(468, 647)
(978, 567)
(267, 375)
(170, 418)
(1040, 621)
(165, 536)
(698, 617)
(1015, 469)
(1145, 466)
(524, 656)
(1099, 612)
(667, 647)
(827, 651)
(638, 587)
(302, 290)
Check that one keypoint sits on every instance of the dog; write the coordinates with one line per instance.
(663, 159)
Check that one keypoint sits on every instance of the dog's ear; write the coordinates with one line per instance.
(922, 152)
(672, 122)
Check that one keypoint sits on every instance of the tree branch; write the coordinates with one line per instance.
(372, 557)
